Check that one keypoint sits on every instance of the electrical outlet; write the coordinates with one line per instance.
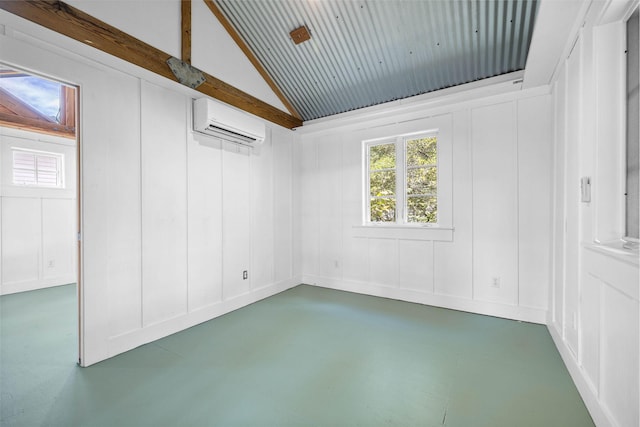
(245, 275)
(52, 263)
(495, 282)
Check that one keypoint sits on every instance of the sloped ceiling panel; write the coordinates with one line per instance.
(368, 52)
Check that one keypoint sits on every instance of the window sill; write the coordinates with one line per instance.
(409, 232)
(616, 250)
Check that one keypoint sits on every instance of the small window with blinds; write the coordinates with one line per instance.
(37, 169)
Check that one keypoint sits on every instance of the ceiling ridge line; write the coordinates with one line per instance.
(215, 10)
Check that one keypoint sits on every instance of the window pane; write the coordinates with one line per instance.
(422, 181)
(382, 157)
(383, 210)
(422, 209)
(422, 151)
(38, 93)
(382, 183)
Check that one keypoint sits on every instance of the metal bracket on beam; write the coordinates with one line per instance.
(185, 73)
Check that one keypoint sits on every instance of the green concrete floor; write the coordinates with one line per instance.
(306, 357)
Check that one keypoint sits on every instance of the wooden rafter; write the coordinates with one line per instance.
(71, 22)
(186, 31)
(250, 56)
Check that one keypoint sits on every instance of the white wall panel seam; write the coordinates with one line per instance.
(187, 128)
(272, 180)
(252, 218)
(274, 212)
(222, 210)
(140, 135)
(469, 115)
(554, 209)
(222, 222)
(41, 248)
(292, 203)
(516, 131)
(565, 88)
(433, 265)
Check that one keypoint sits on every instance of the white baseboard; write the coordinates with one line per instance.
(32, 285)
(598, 412)
(130, 340)
(525, 314)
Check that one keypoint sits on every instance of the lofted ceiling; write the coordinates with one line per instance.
(367, 52)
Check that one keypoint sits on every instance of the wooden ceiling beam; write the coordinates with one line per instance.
(250, 56)
(71, 22)
(186, 31)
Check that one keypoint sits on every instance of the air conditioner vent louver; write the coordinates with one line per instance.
(218, 120)
(230, 135)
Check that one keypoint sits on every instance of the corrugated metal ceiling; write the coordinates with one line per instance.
(367, 52)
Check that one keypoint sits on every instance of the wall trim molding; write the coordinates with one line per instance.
(32, 285)
(483, 92)
(130, 340)
(524, 314)
(598, 412)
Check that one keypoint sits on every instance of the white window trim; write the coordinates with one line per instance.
(401, 170)
(444, 228)
(59, 157)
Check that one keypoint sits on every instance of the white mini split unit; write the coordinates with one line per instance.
(217, 120)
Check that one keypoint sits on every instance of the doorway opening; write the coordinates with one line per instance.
(39, 197)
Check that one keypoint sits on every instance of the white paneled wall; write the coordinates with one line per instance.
(38, 231)
(164, 204)
(170, 219)
(236, 218)
(449, 278)
(203, 212)
(204, 222)
(534, 203)
(494, 143)
(501, 199)
(595, 320)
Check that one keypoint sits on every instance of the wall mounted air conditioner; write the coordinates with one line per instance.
(217, 120)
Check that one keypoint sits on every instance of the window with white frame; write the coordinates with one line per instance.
(402, 180)
(37, 168)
